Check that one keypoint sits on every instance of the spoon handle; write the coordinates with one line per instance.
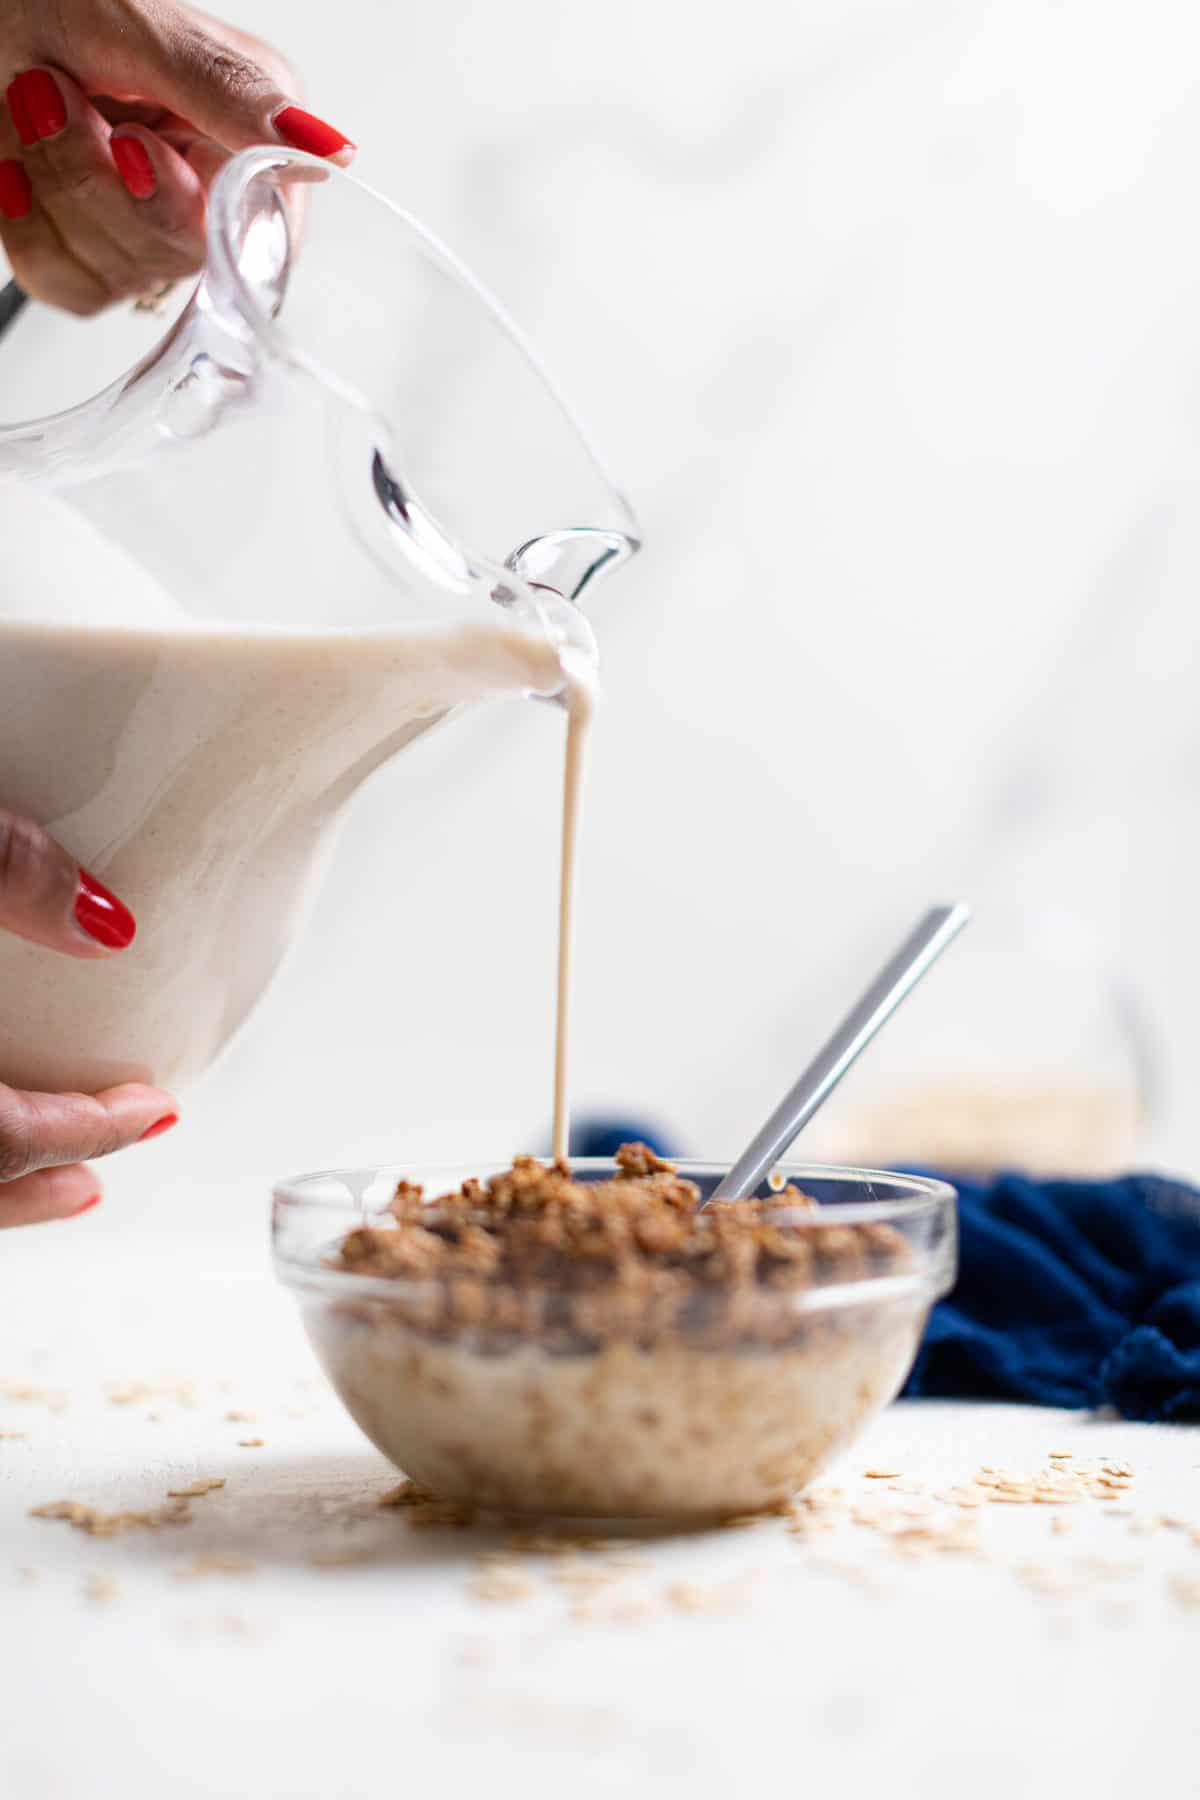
(940, 926)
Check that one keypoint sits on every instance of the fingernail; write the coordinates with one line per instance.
(86, 1207)
(16, 195)
(303, 131)
(102, 915)
(134, 166)
(37, 106)
(22, 123)
(159, 1126)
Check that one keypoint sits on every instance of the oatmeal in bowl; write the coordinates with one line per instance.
(581, 1339)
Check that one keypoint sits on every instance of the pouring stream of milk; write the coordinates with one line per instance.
(580, 699)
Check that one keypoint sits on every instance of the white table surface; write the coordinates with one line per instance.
(1050, 1663)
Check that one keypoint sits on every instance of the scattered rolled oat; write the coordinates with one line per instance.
(964, 1496)
(625, 1610)
(873, 1517)
(803, 1531)
(687, 1597)
(204, 1484)
(961, 1536)
(214, 1565)
(1057, 1490)
(95, 1523)
(138, 1393)
(501, 1586)
(625, 1563)
(821, 1499)
(22, 1394)
(1107, 1568)
(1044, 1578)
(584, 1575)
(881, 1474)
(14, 1434)
(251, 1443)
(1186, 1590)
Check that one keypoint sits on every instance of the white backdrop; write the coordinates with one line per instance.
(887, 317)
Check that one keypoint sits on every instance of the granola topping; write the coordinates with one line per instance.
(535, 1252)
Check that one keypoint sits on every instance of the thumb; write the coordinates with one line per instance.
(46, 897)
(181, 60)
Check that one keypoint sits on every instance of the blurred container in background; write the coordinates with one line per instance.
(1027, 1050)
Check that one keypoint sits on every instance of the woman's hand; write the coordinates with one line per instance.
(46, 897)
(118, 114)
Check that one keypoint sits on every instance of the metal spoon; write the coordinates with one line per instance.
(940, 926)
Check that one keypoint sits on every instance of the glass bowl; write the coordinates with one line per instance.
(746, 1396)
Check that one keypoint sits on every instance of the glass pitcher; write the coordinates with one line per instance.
(338, 500)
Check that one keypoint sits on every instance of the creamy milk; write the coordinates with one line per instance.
(579, 695)
(197, 773)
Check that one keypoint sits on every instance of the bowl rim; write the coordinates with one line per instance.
(927, 1195)
(926, 1192)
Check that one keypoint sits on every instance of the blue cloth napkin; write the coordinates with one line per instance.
(1070, 1293)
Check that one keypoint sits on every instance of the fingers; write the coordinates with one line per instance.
(39, 259)
(227, 86)
(170, 196)
(46, 897)
(45, 1131)
(111, 215)
(50, 1194)
(204, 156)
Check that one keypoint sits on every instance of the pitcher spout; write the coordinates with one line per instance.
(569, 561)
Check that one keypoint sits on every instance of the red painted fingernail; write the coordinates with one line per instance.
(102, 915)
(37, 106)
(86, 1207)
(134, 166)
(17, 113)
(303, 131)
(159, 1126)
(16, 195)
